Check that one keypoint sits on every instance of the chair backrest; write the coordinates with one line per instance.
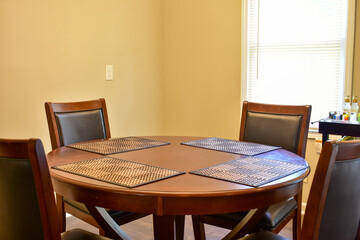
(74, 122)
(27, 202)
(284, 126)
(333, 207)
(341, 214)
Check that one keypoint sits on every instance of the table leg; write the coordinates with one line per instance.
(179, 227)
(198, 227)
(164, 227)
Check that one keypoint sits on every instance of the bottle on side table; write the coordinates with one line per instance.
(354, 109)
(347, 109)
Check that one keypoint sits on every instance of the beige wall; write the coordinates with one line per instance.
(57, 51)
(202, 67)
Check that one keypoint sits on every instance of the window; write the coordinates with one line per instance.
(298, 52)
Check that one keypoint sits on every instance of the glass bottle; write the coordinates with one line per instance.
(346, 114)
(354, 109)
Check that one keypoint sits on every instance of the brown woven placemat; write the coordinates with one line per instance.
(118, 145)
(118, 171)
(251, 171)
(231, 146)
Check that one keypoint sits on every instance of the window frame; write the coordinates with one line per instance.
(349, 57)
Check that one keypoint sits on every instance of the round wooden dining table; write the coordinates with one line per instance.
(185, 194)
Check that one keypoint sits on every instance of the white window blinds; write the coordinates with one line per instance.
(296, 53)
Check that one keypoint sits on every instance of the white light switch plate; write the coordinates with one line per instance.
(109, 73)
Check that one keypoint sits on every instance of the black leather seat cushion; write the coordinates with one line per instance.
(277, 213)
(79, 234)
(81, 126)
(273, 129)
(273, 216)
(263, 235)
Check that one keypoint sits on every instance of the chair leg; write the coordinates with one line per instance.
(297, 218)
(61, 212)
(198, 227)
(179, 224)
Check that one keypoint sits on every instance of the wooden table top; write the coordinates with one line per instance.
(185, 194)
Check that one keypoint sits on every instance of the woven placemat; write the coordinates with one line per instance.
(251, 171)
(118, 171)
(231, 146)
(118, 145)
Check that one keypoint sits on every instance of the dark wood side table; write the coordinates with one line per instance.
(338, 127)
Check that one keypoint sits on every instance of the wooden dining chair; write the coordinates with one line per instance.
(74, 122)
(27, 200)
(333, 208)
(284, 126)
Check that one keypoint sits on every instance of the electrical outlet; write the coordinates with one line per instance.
(109, 75)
